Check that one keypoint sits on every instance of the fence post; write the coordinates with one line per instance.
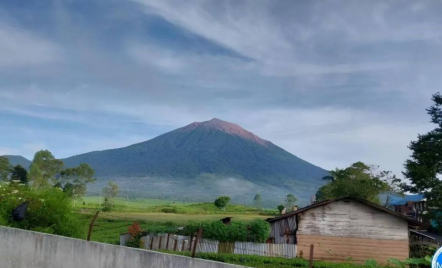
(167, 242)
(190, 242)
(310, 264)
(159, 245)
(198, 237)
(151, 242)
(175, 245)
(89, 233)
(182, 245)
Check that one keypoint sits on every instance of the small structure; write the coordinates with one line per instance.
(226, 220)
(412, 206)
(345, 228)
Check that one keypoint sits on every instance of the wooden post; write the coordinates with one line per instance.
(182, 245)
(159, 243)
(310, 263)
(151, 242)
(91, 225)
(198, 237)
(190, 242)
(167, 242)
(175, 245)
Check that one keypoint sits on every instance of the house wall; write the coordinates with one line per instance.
(349, 229)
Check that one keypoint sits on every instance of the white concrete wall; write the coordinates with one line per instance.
(26, 249)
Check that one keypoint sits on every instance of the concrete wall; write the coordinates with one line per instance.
(20, 249)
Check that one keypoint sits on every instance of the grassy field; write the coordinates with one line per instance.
(156, 215)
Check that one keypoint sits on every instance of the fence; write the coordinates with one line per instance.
(181, 243)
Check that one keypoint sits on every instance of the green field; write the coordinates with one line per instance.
(156, 215)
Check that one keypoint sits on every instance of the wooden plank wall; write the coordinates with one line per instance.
(344, 230)
(331, 248)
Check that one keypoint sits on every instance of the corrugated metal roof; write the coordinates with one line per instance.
(368, 203)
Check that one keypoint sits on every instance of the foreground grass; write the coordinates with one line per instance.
(265, 262)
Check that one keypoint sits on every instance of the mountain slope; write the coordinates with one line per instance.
(206, 159)
(18, 160)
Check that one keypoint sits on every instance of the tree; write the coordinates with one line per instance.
(360, 181)
(4, 168)
(110, 192)
(290, 202)
(48, 166)
(19, 173)
(74, 180)
(35, 176)
(280, 208)
(221, 202)
(425, 166)
(257, 202)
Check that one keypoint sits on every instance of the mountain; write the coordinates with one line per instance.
(204, 160)
(18, 160)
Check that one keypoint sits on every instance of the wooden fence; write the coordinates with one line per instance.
(181, 243)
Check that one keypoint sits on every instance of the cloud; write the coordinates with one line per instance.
(20, 48)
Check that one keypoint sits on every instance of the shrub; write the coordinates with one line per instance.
(235, 231)
(259, 231)
(49, 210)
(169, 210)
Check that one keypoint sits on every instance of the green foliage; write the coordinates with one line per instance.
(425, 166)
(4, 168)
(49, 210)
(419, 262)
(221, 202)
(290, 202)
(259, 231)
(19, 173)
(257, 202)
(110, 192)
(48, 166)
(235, 231)
(280, 208)
(74, 180)
(359, 181)
(266, 262)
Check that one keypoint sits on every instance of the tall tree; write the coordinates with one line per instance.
(48, 166)
(257, 202)
(110, 192)
(360, 181)
(5, 169)
(290, 202)
(221, 202)
(425, 166)
(35, 176)
(74, 180)
(280, 208)
(19, 173)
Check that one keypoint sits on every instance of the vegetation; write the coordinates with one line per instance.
(110, 192)
(280, 208)
(258, 231)
(266, 262)
(290, 202)
(257, 202)
(48, 210)
(221, 202)
(359, 181)
(20, 174)
(425, 166)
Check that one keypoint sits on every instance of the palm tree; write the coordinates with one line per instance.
(335, 175)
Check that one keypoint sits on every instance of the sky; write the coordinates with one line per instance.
(333, 82)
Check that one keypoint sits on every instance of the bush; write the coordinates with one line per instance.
(259, 231)
(235, 231)
(169, 210)
(49, 210)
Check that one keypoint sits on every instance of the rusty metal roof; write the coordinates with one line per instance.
(410, 221)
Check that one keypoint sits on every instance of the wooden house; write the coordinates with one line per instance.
(345, 229)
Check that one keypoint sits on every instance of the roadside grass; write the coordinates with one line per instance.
(266, 262)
